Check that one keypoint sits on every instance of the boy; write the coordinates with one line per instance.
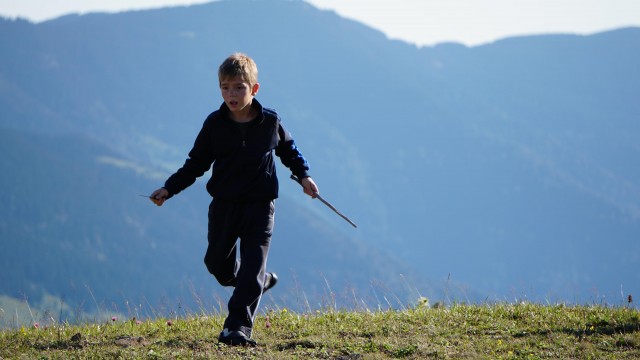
(239, 140)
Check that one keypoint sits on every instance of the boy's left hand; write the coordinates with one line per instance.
(310, 187)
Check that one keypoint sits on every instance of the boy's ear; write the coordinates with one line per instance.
(254, 89)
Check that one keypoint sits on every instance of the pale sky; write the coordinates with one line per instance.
(422, 22)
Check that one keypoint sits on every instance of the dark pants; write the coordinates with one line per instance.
(252, 223)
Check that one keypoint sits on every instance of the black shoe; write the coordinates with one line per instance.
(235, 338)
(270, 281)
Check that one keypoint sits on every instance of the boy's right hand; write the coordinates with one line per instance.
(159, 196)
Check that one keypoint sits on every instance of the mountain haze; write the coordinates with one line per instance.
(502, 171)
(74, 228)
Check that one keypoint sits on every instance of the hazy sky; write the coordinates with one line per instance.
(423, 22)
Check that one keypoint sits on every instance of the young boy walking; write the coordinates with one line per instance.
(237, 143)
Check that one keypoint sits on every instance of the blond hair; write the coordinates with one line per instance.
(241, 66)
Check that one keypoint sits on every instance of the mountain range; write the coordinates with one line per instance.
(503, 171)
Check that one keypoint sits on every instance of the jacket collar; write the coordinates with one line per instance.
(224, 109)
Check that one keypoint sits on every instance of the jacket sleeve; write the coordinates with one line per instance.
(199, 161)
(289, 154)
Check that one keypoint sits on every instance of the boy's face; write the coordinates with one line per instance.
(238, 94)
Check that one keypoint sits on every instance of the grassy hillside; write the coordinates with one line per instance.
(500, 331)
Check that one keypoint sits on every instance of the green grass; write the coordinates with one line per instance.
(499, 331)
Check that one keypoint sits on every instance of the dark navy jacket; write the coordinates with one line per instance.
(243, 167)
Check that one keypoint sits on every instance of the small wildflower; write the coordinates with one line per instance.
(138, 322)
(36, 325)
(114, 318)
(267, 323)
(423, 302)
(629, 299)
(169, 322)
